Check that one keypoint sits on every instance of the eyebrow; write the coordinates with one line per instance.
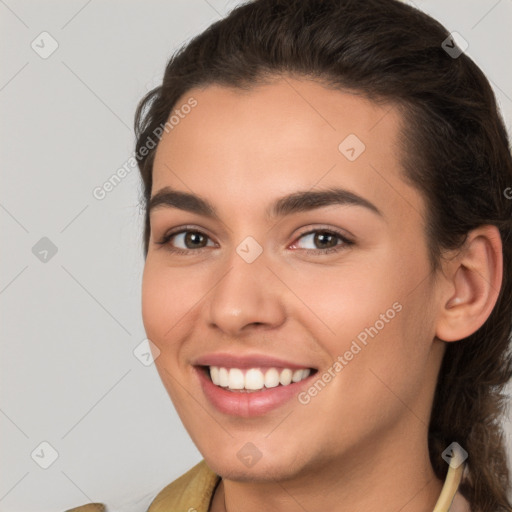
(300, 201)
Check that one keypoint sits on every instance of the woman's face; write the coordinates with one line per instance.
(266, 287)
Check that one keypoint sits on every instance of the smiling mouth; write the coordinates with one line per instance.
(251, 380)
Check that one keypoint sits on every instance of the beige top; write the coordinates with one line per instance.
(193, 491)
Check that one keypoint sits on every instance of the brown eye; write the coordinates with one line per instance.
(323, 241)
(193, 239)
(189, 241)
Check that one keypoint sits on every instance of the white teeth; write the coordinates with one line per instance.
(254, 379)
(214, 374)
(297, 375)
(271, 378)
(223, 377)
(236, 379)
(286, 377)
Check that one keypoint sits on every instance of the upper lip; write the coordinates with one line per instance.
(226, 360)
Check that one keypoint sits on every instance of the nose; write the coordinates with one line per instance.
(247, 296)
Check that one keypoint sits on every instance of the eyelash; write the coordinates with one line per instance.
(317, 252)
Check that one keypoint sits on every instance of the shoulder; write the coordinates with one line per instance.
(192, 490)
(90, 507)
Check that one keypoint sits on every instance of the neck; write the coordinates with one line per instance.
(391, 475)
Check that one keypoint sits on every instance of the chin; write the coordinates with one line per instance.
(264, 470)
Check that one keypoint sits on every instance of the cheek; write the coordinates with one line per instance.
(154, 296)
(166, 299)
(338, 303)
(370, 315)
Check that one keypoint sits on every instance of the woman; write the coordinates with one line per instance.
(327, 283)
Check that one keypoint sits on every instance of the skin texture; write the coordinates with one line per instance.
(361, 443)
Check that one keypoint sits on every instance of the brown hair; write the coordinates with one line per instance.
(455, 150)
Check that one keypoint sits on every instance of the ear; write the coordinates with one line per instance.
(471, 284)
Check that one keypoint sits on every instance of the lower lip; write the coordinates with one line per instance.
(255, 403)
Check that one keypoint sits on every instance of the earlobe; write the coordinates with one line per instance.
(473, 281)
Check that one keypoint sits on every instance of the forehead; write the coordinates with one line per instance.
(285, 110)
(290, 134)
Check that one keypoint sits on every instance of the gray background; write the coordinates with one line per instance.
(70, 324)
